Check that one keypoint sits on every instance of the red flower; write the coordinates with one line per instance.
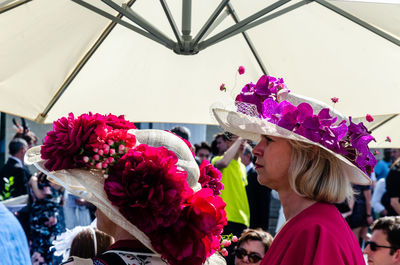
(118, 122)
(369, 118)
(195, 236)
(335, 100)
(210, 177)
(241, 70)
(64, 145)
(222, 87)
(388, 139)
(147, 187)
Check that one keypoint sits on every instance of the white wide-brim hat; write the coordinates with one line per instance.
(89, 184)
(250, 126)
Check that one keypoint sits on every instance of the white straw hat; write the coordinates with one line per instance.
(260, 110)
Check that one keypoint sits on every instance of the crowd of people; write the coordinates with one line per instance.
(108, 193)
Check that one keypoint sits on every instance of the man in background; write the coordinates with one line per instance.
(384, 245)
(14, 176)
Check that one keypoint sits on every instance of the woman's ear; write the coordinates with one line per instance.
(396, 256)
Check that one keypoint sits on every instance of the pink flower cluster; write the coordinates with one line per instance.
(90, 140)
(350, 140)
(183, 226)
(210, 177)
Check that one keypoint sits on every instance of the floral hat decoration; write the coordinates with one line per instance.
(269, 108)
(146, 181)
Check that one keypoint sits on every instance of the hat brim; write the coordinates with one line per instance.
(252, 128)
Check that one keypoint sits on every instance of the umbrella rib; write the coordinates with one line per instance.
(249, 42)
(143, 23)
(5, 7)
(360, 22)
(42, 116)
(172, 23)
(119, 21)
(222, 35)
(209, 22)
(376, 126)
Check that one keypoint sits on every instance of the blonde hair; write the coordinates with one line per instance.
(317, 174)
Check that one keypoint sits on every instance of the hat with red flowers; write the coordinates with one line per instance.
(146, 181)
(269, 108)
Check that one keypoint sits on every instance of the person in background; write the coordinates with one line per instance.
(259, 196)
(252, 246)
(182, 132)
(393, 188)
(384, 245)
(203, 151)
(234, 180)
(378, 197)
(361, 214)
(13, 243)
(383, 166)
(44, 215)
(14, 171)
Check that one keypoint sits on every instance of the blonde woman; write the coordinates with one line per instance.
(309, 154)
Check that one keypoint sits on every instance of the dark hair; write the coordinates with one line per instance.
(182, 132)
(247, 151)
(387, 155)
(202, 145)
(223, 135)
(82, 245)
(390, 226)
(16, 145)
(256, 235)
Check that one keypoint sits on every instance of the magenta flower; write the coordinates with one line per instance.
(369, 118)
(351, 140)
(241, 70)
(335, 100)
(146, 182)
(388, 139)
(222, 87)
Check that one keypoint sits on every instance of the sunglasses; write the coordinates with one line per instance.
(252, 256)
(373, 246)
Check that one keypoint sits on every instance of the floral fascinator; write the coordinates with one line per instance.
(146, 181)
(269, 108)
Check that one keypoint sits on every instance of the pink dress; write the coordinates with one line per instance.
(318, 235)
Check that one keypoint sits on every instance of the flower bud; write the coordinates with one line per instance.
(234, 239)
(96, 157)
(85, 159)
(99, 165)
(101, 152)
(112, 151)
(95, 150)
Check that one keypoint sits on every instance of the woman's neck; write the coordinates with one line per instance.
(292, 203)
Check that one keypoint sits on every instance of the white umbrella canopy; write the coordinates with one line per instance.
(319, 53)
(385, 130)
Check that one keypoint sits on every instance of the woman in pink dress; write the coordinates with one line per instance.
(310, 154)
